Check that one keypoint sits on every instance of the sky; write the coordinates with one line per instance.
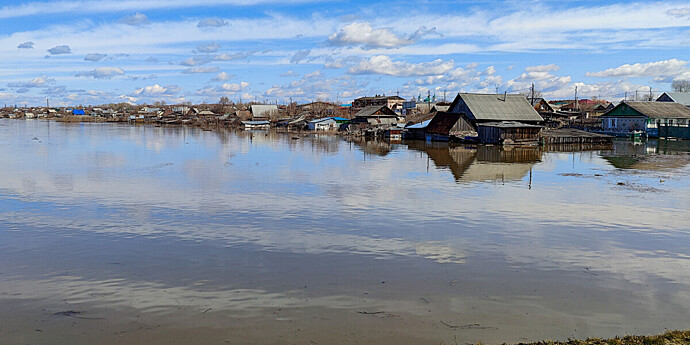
(89, 52)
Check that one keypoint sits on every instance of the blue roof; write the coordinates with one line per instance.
(420, 125)
(340, 119)
(78, 112)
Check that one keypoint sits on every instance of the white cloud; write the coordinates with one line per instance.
(195, 61)
(36, 82)
(135, 19)
(102, 73)
(290, 73)
(223, 76)
(157, 90)
(362, 33)
(26, 45)
(95, 57)
(670, 67)
(237, 87)
(212, 22)
(196, 70)
(382, 64)
(64, 49)
(234, 56)
(208, 48)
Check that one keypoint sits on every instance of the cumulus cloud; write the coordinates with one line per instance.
(223, 76)
(362, 33)
(135, 19)
(95, 57)
(670, 67)
(208, 48)
(195, 61)
(58, 50)
(300, 55)
(236, 87)
(197, 70)
(102, 73)
(289, 74)
(26, 45)
(157, 90)
(382, 64)
(212, 23)
(234, 56)
(36, 82)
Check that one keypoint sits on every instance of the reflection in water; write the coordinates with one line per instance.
(177, 235)
(650, 154)
(481, 163)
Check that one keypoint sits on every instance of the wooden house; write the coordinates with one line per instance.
(392, 102)
(647, 117)
(492, 109)
(508, 132)
(376, 115)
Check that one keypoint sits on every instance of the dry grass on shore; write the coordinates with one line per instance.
(668, 338)
(80, 118)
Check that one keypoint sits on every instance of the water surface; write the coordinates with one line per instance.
(125, 234)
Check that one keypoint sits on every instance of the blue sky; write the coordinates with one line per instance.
(140, 51)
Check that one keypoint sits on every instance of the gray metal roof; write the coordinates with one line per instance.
(264, 110)
(492, 107)
(507, 124)
(680, 97)
(372, 109)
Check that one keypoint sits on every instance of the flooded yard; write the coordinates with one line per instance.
(121, 234)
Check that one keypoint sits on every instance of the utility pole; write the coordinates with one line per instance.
(444, 96)
(650, 94)
(577, 106)
(532, 101)
(626, 95)
(428, 99)
(635, 95)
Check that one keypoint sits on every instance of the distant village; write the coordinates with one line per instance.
(477, 118)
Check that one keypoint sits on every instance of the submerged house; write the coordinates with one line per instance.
(647, 117)
(326, 123)
(256, 125)
(376, 115)
(501, 118)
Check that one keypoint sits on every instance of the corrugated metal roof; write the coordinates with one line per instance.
(491, 107)
(263, 110)
(372, 109)
(658, 110)
(680, 97)
(507, 124)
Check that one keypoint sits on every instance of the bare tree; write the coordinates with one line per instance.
(681, 85)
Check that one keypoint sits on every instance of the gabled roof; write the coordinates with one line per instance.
(372, 109)
(656, 110)
(263, 110)
(492, 107)
(679, 97)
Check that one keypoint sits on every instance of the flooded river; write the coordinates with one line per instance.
(117, 234)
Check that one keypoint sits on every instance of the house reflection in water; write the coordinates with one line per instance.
(481, 163)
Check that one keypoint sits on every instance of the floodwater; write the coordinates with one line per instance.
(118, 234)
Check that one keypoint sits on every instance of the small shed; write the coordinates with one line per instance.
(256, 124)
(508, 132)
(264, 111)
